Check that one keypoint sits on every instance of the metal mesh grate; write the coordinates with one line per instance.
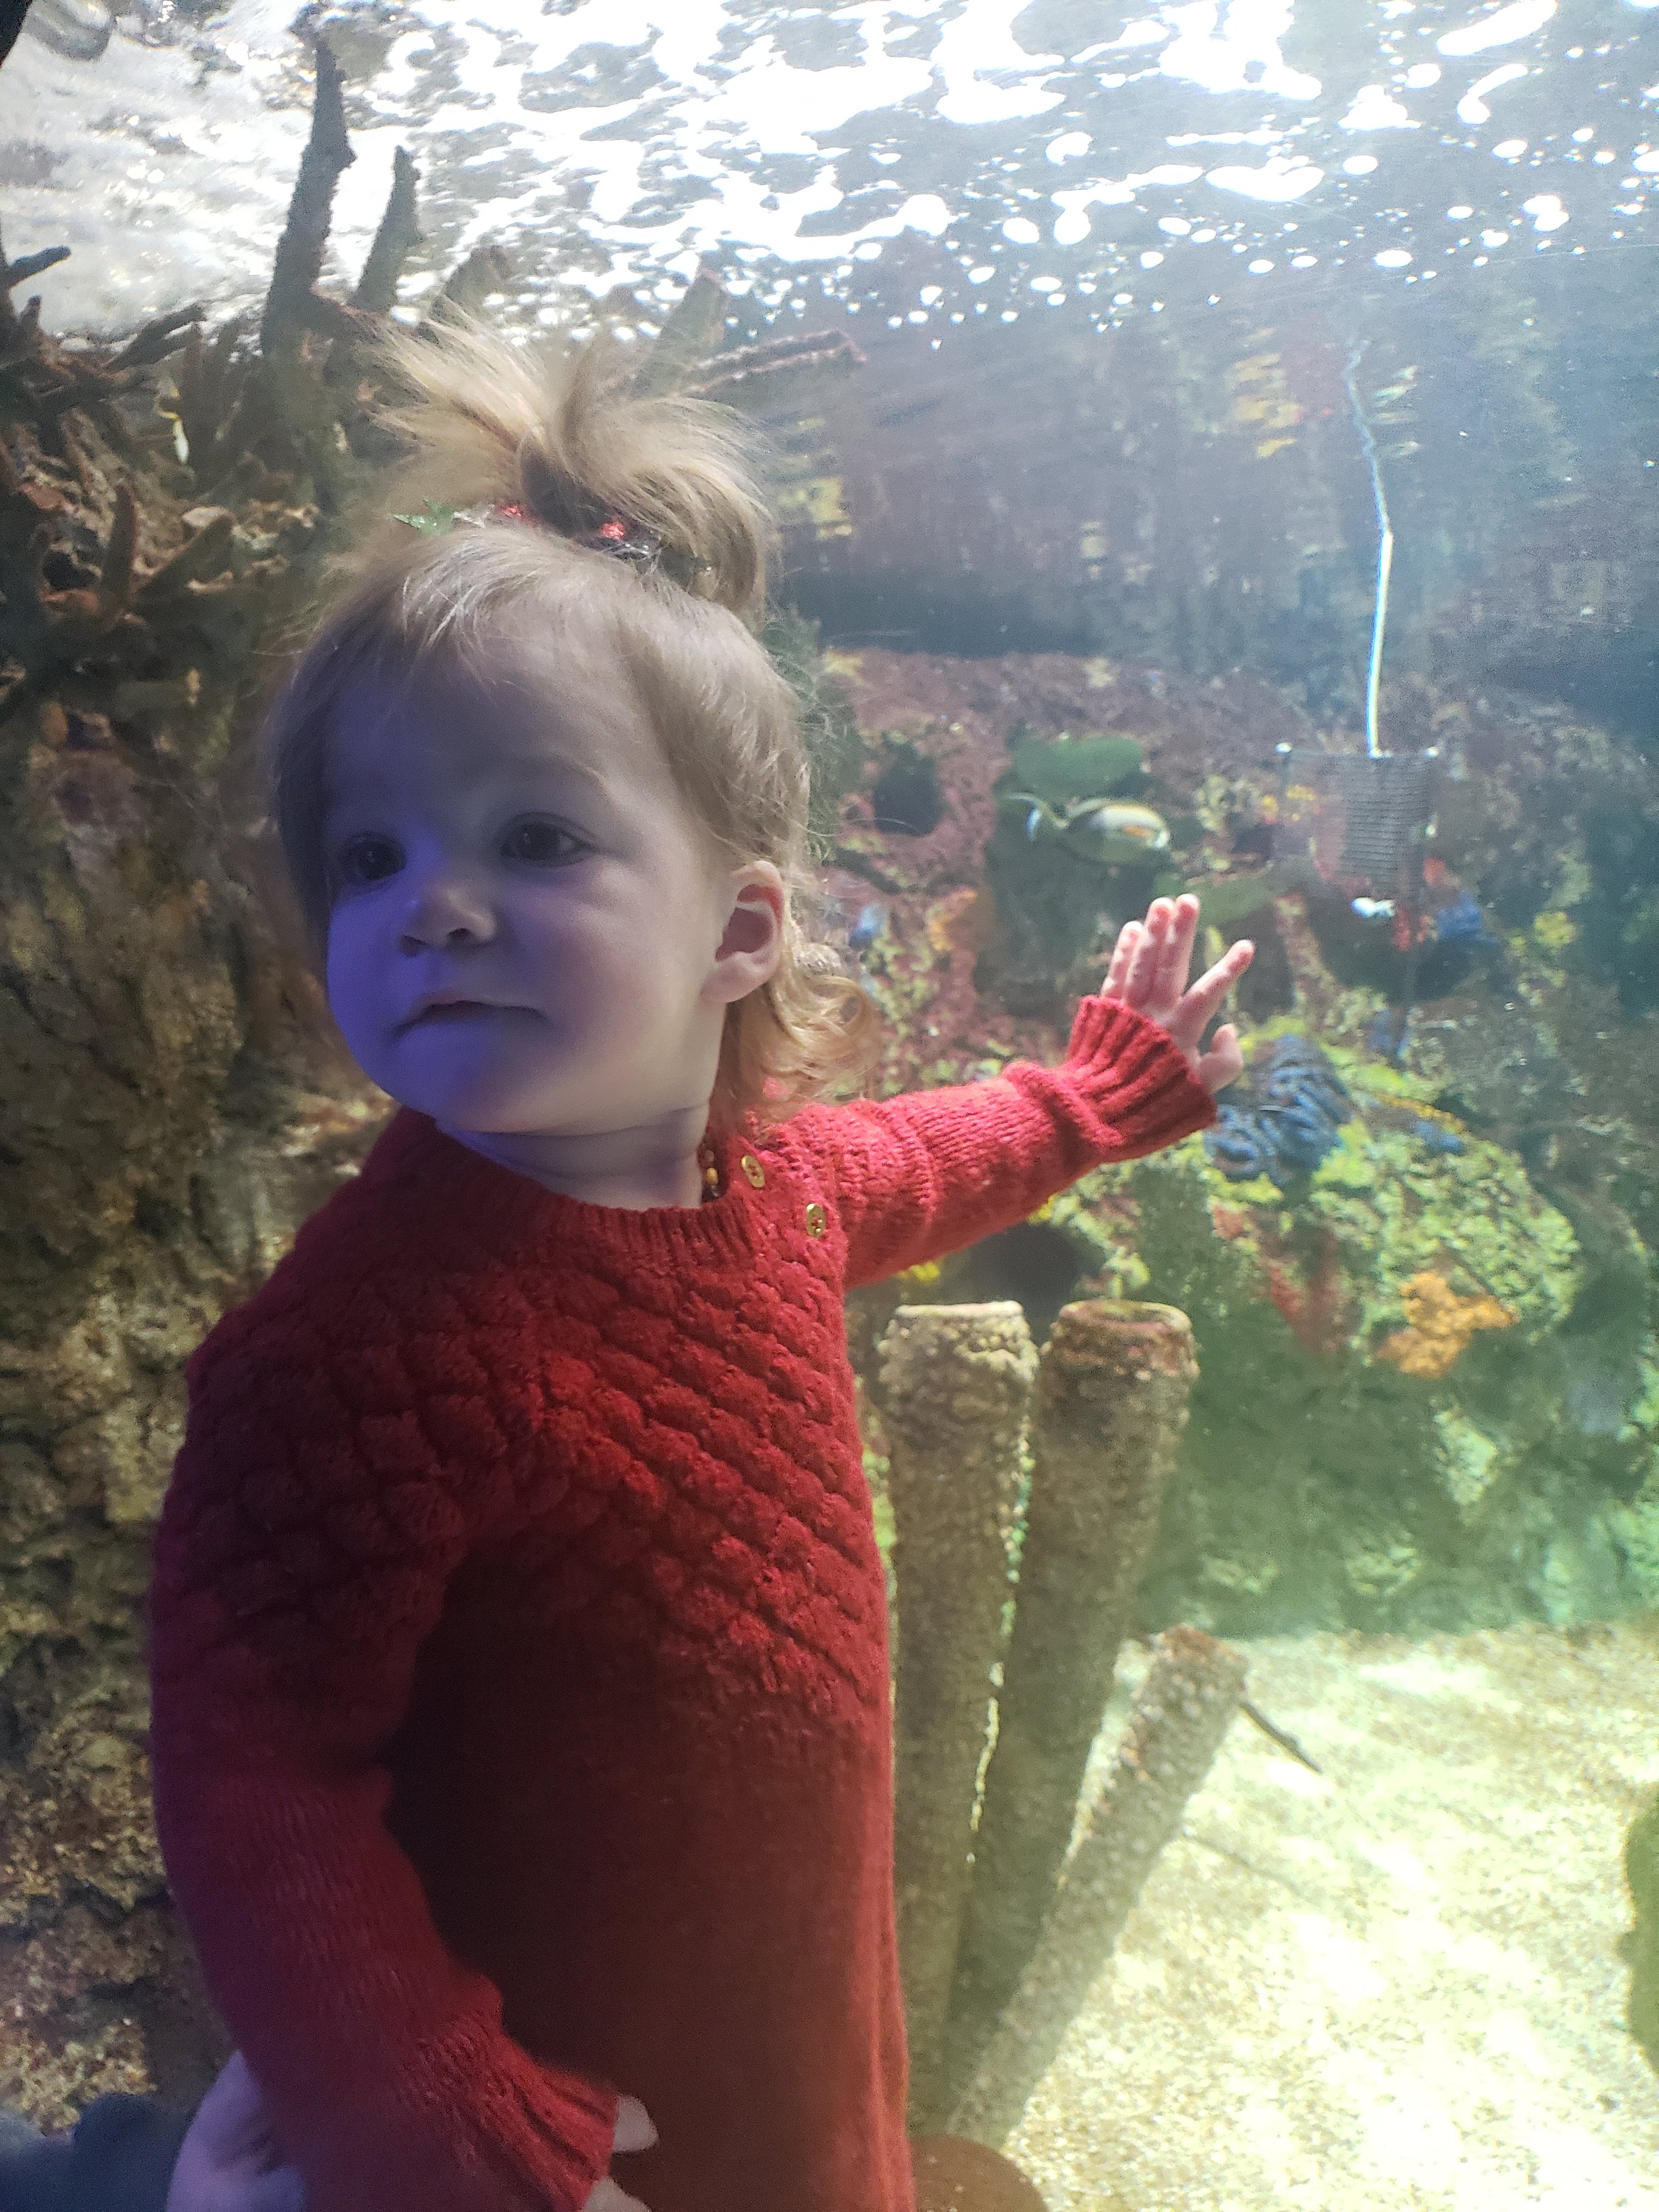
(1359, 818)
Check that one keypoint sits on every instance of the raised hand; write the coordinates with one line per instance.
(1149, 974)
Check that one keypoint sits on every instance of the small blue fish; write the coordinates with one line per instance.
(1031, 822)
(869, 925)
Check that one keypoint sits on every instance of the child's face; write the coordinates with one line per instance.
(526, 847)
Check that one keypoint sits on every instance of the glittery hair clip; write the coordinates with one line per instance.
(628, 541)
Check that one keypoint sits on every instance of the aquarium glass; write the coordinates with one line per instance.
(1217, 451)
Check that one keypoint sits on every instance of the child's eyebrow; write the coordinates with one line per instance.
(351, 791)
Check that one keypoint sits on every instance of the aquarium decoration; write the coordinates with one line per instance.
(1384, 548)
(1107, 1404)
(1181, 1714)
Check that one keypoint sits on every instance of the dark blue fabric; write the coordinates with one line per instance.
(119, 2158)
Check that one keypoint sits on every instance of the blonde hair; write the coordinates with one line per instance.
(561, 438)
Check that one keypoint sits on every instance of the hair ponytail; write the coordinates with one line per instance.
(561, 436)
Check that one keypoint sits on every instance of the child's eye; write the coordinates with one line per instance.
(368, 859)
(542, 842)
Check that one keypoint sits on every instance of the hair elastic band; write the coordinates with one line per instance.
(628, 541)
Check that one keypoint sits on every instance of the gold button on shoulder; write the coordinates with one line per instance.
(817, 1219)
(752, 1168)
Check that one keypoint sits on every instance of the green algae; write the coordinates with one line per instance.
(1399, 1207)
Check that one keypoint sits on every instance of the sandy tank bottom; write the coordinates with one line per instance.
(1393, 1985)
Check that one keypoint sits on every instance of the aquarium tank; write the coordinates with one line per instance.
(1216, 445)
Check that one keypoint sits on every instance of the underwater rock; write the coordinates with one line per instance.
(1283, 1118)
(954, 2175)
(955, 1385)
(1109, 1406)
(1183, 1709)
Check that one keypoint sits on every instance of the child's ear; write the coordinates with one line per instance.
(751, 944)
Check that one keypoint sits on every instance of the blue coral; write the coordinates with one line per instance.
(1292, 1109)
(1461, 922)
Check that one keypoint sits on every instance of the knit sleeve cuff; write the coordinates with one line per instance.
(1134, 1079)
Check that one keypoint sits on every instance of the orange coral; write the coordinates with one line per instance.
(1440, 1326)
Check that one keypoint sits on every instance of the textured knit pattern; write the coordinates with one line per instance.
(520, 1723)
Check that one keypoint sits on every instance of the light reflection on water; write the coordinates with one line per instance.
(621, 141)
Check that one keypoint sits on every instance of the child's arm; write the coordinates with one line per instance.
(926, 1173)
(319, 1507)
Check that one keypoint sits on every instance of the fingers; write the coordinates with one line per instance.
(1223, 1064)
(1193, 1016)
(1212, 987)
(1117, 975)
(634, 2128)
(607, 2197)
(1149, 965)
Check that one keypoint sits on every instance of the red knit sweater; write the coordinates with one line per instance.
(520, 1720)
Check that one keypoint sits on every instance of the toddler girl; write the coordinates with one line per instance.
(521, 1727)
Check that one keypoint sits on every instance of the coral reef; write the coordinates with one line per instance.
(1283, 1118)
(1503, 1137)
(1438, 1326)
